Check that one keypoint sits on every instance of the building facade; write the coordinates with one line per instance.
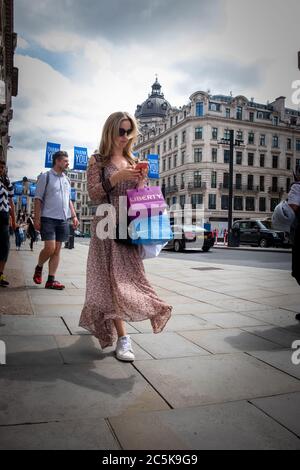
(82, 205)
(8, 73)
(194, 163)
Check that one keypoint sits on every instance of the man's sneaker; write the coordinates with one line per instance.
(124, 351)
(55, 285)
(3, 281)
(37, 277)
(297, 317)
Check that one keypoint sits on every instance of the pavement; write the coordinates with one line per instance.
(223, 374)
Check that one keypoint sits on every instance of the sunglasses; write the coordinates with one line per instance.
(122, 132)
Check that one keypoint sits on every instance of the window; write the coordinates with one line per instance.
(174, 180)
(212, 201)
(176, 140)
(250, 159)
(275, 120)
(288, 163)
(251, 117)
(275, 184)
(196, 199)
(226, 156)
(197, 155)
(165, 146)
(182, 201)
(198, 133)
(164, 164)
(275, 161)
(239, 158)
(226, 180)
(224, 202)
(288, 185)
(227, 113)
(226, 134)
(275, 141)
(182, 158)
(262, 183)
(214, 106)
(289, 144)
(158, 149)
(214, 155)
(213, 179)
(262, 160)
(183, 136)
(262, 140)
(238, 181)
(239, 135)
(250, 204)
(171, 122)
(238, 203)
(182, 181)
(274, 203)
(197, 179)
(175, 161)
(250, 182)
(199, 109)
(262, 204)
(298, 145)
(251, 138)
(214, 134)
(170, 144)
(174, 200)
(239, 112)
(170, 163)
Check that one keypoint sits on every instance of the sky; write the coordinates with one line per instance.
(81, 60)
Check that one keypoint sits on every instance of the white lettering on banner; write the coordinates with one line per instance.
(2, 353)
(296, 354)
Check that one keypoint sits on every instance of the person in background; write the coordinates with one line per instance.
(31, 230)
(7, 210)
(294, 203)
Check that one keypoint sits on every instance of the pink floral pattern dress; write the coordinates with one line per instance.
(116, 287)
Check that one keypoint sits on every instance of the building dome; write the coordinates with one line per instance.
(156, 106)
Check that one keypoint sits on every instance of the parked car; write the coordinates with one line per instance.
(255, 232)
(190, 236)
(78, 233)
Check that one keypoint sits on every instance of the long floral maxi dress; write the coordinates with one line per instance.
(116, 286)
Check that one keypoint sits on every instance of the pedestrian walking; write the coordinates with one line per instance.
(117, 289)
(294, 203)
(7, 211)
(52, 210)
(31, 232)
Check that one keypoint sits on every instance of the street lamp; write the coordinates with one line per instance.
(232, 143)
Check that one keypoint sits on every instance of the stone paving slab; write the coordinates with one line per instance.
(227, 341)
(38, 299)
(194, 381)
(31, 350)
(194, 308)
(231, 426)
(230, 320)
(57, 310)
(92, 434)
(282, 360)
(83, 348)
(176, 323)
(29, 325)
(278, 317)
(285, 409)
(72, 392)
(168, 345)
(275, 334)
(72, 322)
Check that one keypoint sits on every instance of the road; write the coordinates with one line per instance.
(256, 259)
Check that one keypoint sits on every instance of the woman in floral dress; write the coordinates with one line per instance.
(117, 289)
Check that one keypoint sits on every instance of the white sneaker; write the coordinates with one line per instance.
(124, 351)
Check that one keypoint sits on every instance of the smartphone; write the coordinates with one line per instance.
(141, 166)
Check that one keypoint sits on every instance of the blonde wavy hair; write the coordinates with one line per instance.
(111, 132)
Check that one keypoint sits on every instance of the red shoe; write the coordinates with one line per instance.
(37, 277)
(55, 285)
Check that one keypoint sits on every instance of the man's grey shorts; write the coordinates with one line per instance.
(54, 229)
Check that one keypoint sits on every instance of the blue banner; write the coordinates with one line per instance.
(24, 201)
(73, 195)
(153, 166)
(32, 189)
(18, 188)
(80, 158)
(50, 150)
